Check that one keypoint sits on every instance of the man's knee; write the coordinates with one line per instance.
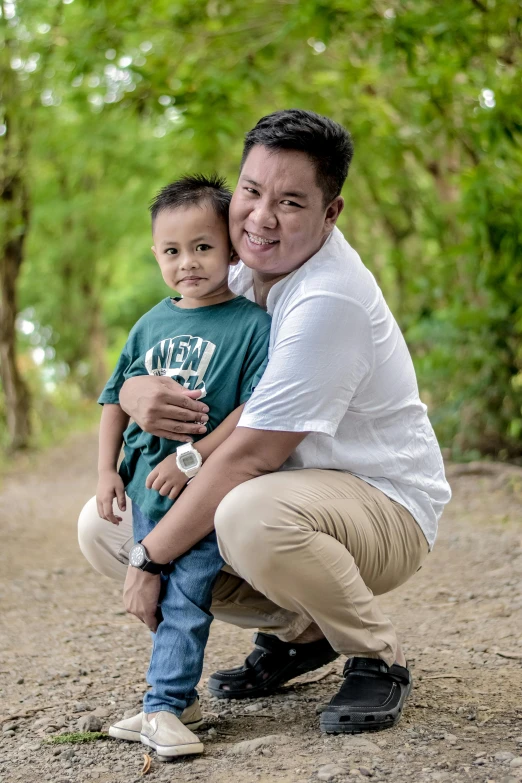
(102, 543)
(244, 523)
(90, 526)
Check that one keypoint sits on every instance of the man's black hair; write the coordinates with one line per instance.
(193, 190)
(328, 145)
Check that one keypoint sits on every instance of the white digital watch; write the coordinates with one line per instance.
(188, 459)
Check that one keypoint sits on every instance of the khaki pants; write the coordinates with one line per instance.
(302, 546)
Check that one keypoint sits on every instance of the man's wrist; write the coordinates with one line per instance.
(155, 557)
(146, 575)
(106, 469)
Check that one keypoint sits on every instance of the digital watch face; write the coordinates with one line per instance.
(188, 461)
(137, 556)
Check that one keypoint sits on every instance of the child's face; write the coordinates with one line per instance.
(192, 248)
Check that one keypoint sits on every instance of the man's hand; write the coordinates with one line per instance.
(162, 407)
(110, 486)
(141, 594)
(167, 478)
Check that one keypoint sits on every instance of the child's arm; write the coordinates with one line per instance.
(210, 442)
(113, 423)
(169, 480)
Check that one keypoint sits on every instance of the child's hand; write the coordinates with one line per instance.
(110, 486)
(167, 478)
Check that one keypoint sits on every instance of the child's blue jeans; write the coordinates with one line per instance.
(179, 642)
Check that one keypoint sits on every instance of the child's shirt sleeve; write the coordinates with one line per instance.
(111, 392)
(255, 362)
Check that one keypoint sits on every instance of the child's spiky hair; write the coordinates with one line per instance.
(193, 190)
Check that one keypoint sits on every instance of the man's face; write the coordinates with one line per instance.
(278, 219)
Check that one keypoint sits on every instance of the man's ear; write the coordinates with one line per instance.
(332, 213)
(153, 248)
(234, 258)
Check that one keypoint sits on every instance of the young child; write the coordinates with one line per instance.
(205, 339)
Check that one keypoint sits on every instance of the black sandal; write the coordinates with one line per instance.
(370, 699)
(268, 666)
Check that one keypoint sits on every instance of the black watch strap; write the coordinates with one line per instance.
(151, 567)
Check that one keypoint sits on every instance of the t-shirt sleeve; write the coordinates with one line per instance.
(255, 363)
(322, 354)
(111, 392)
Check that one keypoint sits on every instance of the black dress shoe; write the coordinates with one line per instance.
(371, 697)
(268, 666)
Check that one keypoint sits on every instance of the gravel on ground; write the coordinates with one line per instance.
(71, 660)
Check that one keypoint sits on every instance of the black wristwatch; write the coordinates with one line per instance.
(139, 558)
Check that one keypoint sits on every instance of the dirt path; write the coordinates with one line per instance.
(67, 649)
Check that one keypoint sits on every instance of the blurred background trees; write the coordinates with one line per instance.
(102, 103)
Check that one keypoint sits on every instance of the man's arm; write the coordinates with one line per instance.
(162, 407)
(246, 454)
(167, 479)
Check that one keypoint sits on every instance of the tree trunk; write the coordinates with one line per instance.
(14, 221)
(96, 345)
(14, 203)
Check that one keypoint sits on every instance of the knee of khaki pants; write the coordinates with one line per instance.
(103, 544)
(242, 536)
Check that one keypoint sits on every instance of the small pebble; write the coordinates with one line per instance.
(81, 706)
(516, 762)
(104, 712)
(503, 756)
(330, 771)
(247, 747)
(89, 723)
(40, 723)
(253, 708)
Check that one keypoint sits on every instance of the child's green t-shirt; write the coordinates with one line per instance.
(220, 349)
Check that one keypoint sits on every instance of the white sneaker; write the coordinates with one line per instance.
(168, 736)
(130, 728)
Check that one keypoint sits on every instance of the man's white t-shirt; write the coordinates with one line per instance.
(340, 369)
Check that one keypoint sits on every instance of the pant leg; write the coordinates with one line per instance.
(104, 545)
(180, 640)
(320, 543)
(141, 525)
(107, 546)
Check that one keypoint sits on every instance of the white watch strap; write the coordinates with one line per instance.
(186, 448)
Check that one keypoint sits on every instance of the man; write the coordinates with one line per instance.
(330, 488)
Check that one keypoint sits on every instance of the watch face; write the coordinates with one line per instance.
(188, 461)
(137, 556)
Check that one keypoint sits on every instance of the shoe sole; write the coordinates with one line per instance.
(172, 751)
(135, 736)
(333, 723)
(270, 686)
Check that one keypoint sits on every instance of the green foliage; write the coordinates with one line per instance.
(123, 97)
(76, 737)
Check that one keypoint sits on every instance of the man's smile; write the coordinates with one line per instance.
(257, 240)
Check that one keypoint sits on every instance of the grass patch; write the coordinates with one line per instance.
(76, 737)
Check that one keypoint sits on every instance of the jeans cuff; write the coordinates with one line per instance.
(158, 706)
